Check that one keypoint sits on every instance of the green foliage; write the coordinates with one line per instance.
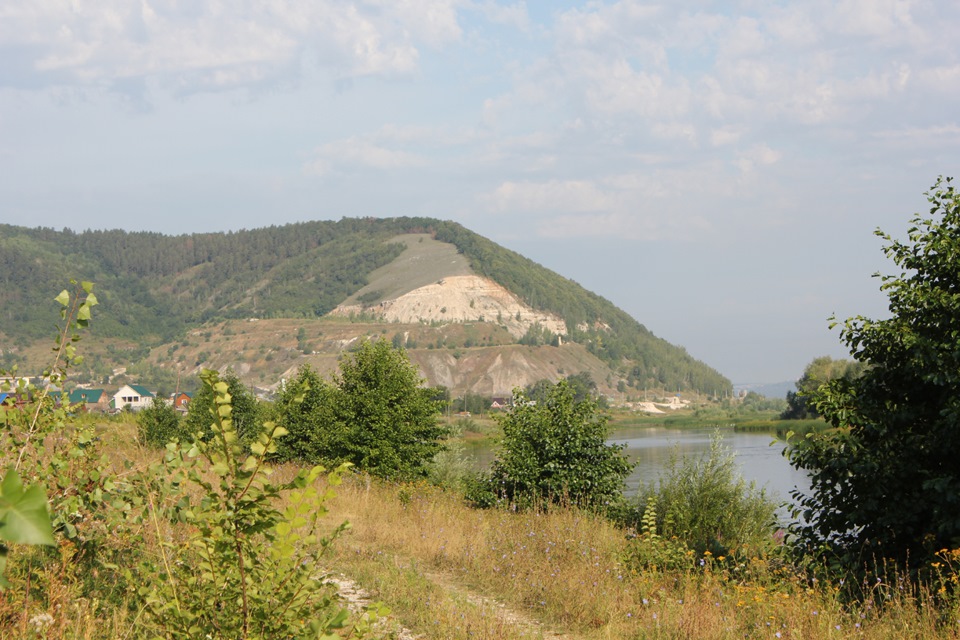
(43, 447)
(156, 287)
(23, 517)
(451, 467)
(249, 568)
(705, 503)
(820, 371)
(754, 402)
(537, 336)
(555, 451)
(246, 411)
(649, 550)
(473, 403)
(370, 297)
(885, 485)
(305, 406)
(376, 415)
(159, 423)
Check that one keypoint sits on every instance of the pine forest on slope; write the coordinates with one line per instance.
(429, 283)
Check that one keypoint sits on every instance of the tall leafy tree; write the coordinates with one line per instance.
(555, 450)
(158, 424)
(386, 421)
(376, 414)
(885, 485)
(304, 407)
(820, 371)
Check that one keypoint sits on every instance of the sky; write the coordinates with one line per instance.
(716, 169)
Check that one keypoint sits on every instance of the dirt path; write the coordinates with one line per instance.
(357, 598)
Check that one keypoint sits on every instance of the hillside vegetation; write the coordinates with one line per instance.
(159, 291)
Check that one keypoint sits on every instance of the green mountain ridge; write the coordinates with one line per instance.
(156, 289)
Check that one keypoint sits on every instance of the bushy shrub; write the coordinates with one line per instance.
(649, 550)
(885, 483)
(554, 451)
(158, 424)
(375, 415)
(250, 567)
(451, 467)
(704, 502)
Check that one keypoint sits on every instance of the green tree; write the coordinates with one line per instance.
(539, 391)
(556, 451)
(376, 415)
(820, 371)
(885, 485)
(304, 406)
(474, 403)
(158, 424)
(245, 412)
(583, 386)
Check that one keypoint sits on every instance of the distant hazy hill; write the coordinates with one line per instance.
(160, 292)
(770, 389)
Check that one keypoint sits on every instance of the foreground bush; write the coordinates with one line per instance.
(200, 545)
(885, 484)
(554, 451)
(705, 504)
(248, 568)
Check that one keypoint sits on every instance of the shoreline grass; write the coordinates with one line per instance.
(449, 571)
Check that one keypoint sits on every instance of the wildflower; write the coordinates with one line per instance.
(41, 621)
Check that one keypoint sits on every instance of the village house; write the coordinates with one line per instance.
(90, 399)
(180, 401)
(134, 396)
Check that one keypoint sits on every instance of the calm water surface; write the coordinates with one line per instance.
(758, 455)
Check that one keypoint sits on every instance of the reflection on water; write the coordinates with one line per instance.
(759, 456)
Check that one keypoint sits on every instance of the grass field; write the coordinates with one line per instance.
(449, 571)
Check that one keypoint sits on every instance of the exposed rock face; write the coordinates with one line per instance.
(496, 371)
(465, 298)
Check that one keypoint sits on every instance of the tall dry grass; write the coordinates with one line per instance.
(449, 571)
(565, 568)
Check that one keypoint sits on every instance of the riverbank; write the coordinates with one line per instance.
(449, 571)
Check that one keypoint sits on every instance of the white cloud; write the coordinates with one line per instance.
(209, 45)
(357, 153)
(514, 15)
(758, 155)
(944, 134)
(877, 18)
(549, 196)
(725, 135)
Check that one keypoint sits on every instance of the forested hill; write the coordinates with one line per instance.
(153, 288)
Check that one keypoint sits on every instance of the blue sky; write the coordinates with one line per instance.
(715, 169)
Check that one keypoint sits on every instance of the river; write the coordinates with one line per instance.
(759, 456)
